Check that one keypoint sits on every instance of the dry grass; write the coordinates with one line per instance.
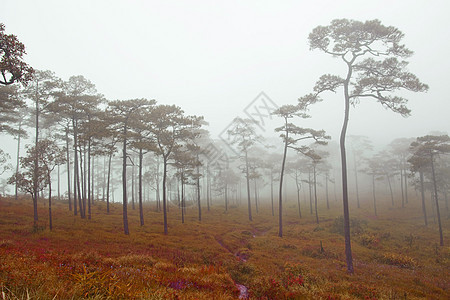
(395, 256)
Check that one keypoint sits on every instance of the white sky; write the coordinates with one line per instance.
(213, 58)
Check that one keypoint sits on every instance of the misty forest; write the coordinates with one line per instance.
(134, 199)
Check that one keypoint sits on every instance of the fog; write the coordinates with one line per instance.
(214, 58)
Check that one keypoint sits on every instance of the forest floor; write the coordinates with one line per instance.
(225, 256)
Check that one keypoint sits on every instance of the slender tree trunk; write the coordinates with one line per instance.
(373, 193)
(141, 210)
(182, 198)
(315, 195)
(89, 178)
(401, 187)
(271, 191)
(226, 196)
(248, 187)
(164, 194)
(76, 170)
(59, 185)
(406, 186)
(348, 249)
(422, 193)
(124, 181)
(93, 181)
(441, 237)
(19, 136)
(256, 196)
(280, 196)
(198, 191)
(104, 179)
(68, 169)
(82, 180)
(390, 189)
(108, 181)
(132, 188)
(158, 197)
(298, 194)
(36, 161)
(310, 192)
(50, 222)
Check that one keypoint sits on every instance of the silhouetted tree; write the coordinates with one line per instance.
(50, 156)
(170, 129)
(123, 111)
(430, 147)
(370, 52)
(292, 135)
(244, 136)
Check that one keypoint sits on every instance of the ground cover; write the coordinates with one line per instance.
(222, 257)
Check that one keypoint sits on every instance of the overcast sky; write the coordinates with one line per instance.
(213, 58)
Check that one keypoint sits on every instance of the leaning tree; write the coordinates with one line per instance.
(375, 67)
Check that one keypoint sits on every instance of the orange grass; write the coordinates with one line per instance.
(395, 256)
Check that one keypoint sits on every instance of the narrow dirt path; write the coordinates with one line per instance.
(243, 290)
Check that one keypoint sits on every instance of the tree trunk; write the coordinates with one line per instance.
(315, 195)
(68, 169)
(164, 193)
(441, 237)
(18, 159)
(271, 191)
(76, 170)
(373, 193)
(50, 223)
(280, 200)
(298, 194)
(248, 187)
(158, 196)
(124, 182)
(310, 192)
(36, 161)
(348, 248)
(256, 197)
(83, 181)
(390, 189)
(422, 193)
(182, 198)
(406, 186)
(198, 191)
(132, 187)
(108, 181)
(89, 178)
(401, 187)
(59, 186)
(141, 210)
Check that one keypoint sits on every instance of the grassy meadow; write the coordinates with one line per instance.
(222, 257)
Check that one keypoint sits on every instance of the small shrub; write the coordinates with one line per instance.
(267, 288)
(400, 260)
(369, 240)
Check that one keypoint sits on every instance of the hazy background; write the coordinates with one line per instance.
(213, 58)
